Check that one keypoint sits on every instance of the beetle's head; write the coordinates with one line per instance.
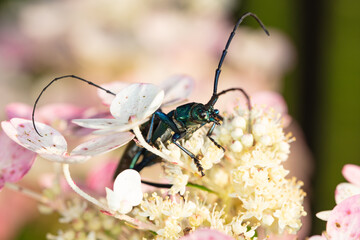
(203, 114)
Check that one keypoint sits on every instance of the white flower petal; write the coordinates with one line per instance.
(127, 192)
(128, 184)
(102, 144)
(136, 102)
(99, 123)
(114, 87)
(112, 200)
(324, 215)
(52, 143)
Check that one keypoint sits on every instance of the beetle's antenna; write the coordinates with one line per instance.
(54, 80)
(248, 103)
(232, 34)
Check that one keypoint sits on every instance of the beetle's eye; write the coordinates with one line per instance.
(216, 111)
(203, 115)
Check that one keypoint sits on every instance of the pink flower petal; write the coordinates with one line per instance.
(52, 143)
(177, 89)
(52, 112)
(344, 220)
(110, 125)
(345, 190)
(352, 173)
(15, 161)
(18, 110)
(102, 144)
(46, 114)
(206, 234)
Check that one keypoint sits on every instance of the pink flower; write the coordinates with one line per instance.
(53, 146)
(15, 161)
(206, 234)
(345, 190)
(46, 114)
(344, 220)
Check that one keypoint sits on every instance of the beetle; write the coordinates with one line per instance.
(182, 122)
(179, 123)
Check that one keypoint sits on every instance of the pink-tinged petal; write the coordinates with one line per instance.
(109, 125)
(136, 102)
(52, 143)
(114, 87)
(206, 234)
(101, 176)
(345, 190)
(18, 110)
(344, 220)
(352, 173)
(15, 161)
(177, 89)
(52, 112)
(102, 144)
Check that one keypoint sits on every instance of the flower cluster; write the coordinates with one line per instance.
(244, 189)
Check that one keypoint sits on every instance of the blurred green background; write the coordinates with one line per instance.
(322, 91)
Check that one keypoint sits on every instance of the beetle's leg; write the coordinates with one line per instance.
(158, 185)
(151, 128)
(209, 136)
(178, 135)
(168, 121)
(145, 162)
(175, 138)
(136, 158)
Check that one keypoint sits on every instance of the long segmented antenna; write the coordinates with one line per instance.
(248, 103)
(232, 34)
(54, 80)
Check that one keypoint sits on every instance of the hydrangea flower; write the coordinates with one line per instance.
(53, 146)
(345, 190)
(126, 192)
(15, 160)
(343, 221)
(131, 107)
(176, 89)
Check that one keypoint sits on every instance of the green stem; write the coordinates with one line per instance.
(194, 185)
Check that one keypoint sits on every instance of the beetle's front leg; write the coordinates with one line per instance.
(197, 162)
(209, 136)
